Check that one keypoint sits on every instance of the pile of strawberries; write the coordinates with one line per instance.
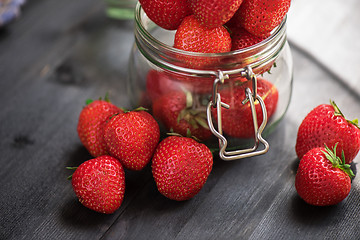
(210, 26)
(326, 145)
(177, 104)
(119, 139)
(205, 25)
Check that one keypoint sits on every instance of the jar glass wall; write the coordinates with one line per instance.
(178, 86)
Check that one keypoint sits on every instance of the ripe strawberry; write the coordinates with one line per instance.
(180, 167)
(99, 184)
(237, 121)
(159, 83)
(132, 137)
(260, 17)
(214, 13)
(91, 123)
(192, 36)
(323, 178)
(176, 110)
(243, 39)
(325, 124)
(168, 14)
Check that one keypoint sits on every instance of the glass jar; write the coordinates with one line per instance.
(187, 92)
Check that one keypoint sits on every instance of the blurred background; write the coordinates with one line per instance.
(328, 31)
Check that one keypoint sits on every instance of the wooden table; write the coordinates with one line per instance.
(58, 54)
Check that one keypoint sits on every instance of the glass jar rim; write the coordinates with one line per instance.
(263, 50)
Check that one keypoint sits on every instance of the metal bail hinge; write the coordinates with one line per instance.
(251, 97)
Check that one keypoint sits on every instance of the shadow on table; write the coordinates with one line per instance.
(77, 216)
(308, 214)
(77, 156)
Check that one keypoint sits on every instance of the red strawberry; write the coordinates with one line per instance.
(192, 36)
(177, 111)
(159, 83)
(167, 14)
(260, 17)
(237, 121)
(322, 178)
(214, 13)
(99, 184)
(325, 124)
(91, 122)
(132, 137)
(180, 167)
(243, 39)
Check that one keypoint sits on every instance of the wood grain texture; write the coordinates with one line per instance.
(58, 54)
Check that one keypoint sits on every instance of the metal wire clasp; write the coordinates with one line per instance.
(251, 96)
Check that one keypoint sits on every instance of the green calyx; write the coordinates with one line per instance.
(106, 99)
(138, 109)
(188, 134)
(338, 162)
(196, 118)
(88, 101)
(338, 112)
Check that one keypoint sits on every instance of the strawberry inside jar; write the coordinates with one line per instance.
(217, 82)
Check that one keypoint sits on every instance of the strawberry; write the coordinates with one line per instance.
(192, 36)
(132, 137)
(326, 124)
(177, 111)
(214, 13)
(243, 39)
(168, 14)
(159, 83)
(91, 123)
(180, 167)
(260, 17)
(99, 184)
(237, 121)
(323, 178)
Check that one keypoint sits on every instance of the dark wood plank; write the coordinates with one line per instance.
(49, 68)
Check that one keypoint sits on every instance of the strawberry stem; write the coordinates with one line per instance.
(338, 112)
(336, 108)
(189, 99)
